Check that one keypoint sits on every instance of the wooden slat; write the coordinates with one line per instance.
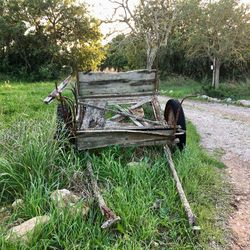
(135, 121)
(135, 106)
(96, 139)
(93, 117)
(55, 93)
(118, 98)
(113, 76)
(122, 83)
(157, 109)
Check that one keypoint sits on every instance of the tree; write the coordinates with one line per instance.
(125, 52)
(116, 55)
(218, 30)
(40, 37)
(152, 19)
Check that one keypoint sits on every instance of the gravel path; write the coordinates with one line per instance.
(226, 129)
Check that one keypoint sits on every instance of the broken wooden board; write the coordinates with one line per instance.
(56, 92)
(101, 83)
(98, 139)
(93, 117)
(131, 109)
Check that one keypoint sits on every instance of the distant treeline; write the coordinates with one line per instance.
(204, 35)
(44, 39)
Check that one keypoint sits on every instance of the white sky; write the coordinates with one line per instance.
(103, 9)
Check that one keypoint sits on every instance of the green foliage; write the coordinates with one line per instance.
(236, 91)
(38, 38)
(125, 52)
(179, 87)
(116, 57)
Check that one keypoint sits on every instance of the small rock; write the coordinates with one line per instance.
(155, 244)
(3, 209)
(66, 199)
(136, 164)
(244, 102)
(17, 203)
(21, 231)
(228, 100)
(211, 99)
(204, 96)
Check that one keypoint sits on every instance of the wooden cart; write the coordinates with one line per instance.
(119, 109)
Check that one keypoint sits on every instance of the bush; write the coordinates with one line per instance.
(235, 91)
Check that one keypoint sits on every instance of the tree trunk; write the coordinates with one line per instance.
(213, 80)
(151, 55)
(217, 73)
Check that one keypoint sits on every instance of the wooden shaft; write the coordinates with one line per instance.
(188, 210)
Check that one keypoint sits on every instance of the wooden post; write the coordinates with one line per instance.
(188, 210)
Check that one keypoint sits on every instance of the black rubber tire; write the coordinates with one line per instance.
(64, 121)
(173, 106)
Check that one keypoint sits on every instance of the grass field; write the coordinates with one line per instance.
(32, 165)
(179, 87)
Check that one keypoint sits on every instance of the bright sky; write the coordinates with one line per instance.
(103, 9)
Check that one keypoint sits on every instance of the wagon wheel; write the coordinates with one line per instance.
(64, 121)
(174, 115)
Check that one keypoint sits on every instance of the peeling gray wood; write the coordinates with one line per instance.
(157, 109)
(135, 121)
(55, 93)
(135, 106)
(97, 139)
(93, 117)
(100, 83)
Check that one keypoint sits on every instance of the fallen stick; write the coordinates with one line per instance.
(112, 218)
(188, 210)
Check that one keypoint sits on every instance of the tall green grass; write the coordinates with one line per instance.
(32, 165)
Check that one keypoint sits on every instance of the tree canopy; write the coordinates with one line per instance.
(39, 37)
(186, 37)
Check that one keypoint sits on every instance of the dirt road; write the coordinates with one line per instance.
(226, 129)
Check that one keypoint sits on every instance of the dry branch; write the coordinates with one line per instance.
(105, 210)
(188, 210)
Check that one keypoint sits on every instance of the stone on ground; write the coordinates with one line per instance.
(65, 199)
(25, 229)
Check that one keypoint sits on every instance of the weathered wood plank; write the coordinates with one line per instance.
(133, 107)
(110, 76)
(100, 83)
(157, 109)
(55, 93)
(96, 139)
(93, 117)
(118, 98)
(135, 121)
(120, 112)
